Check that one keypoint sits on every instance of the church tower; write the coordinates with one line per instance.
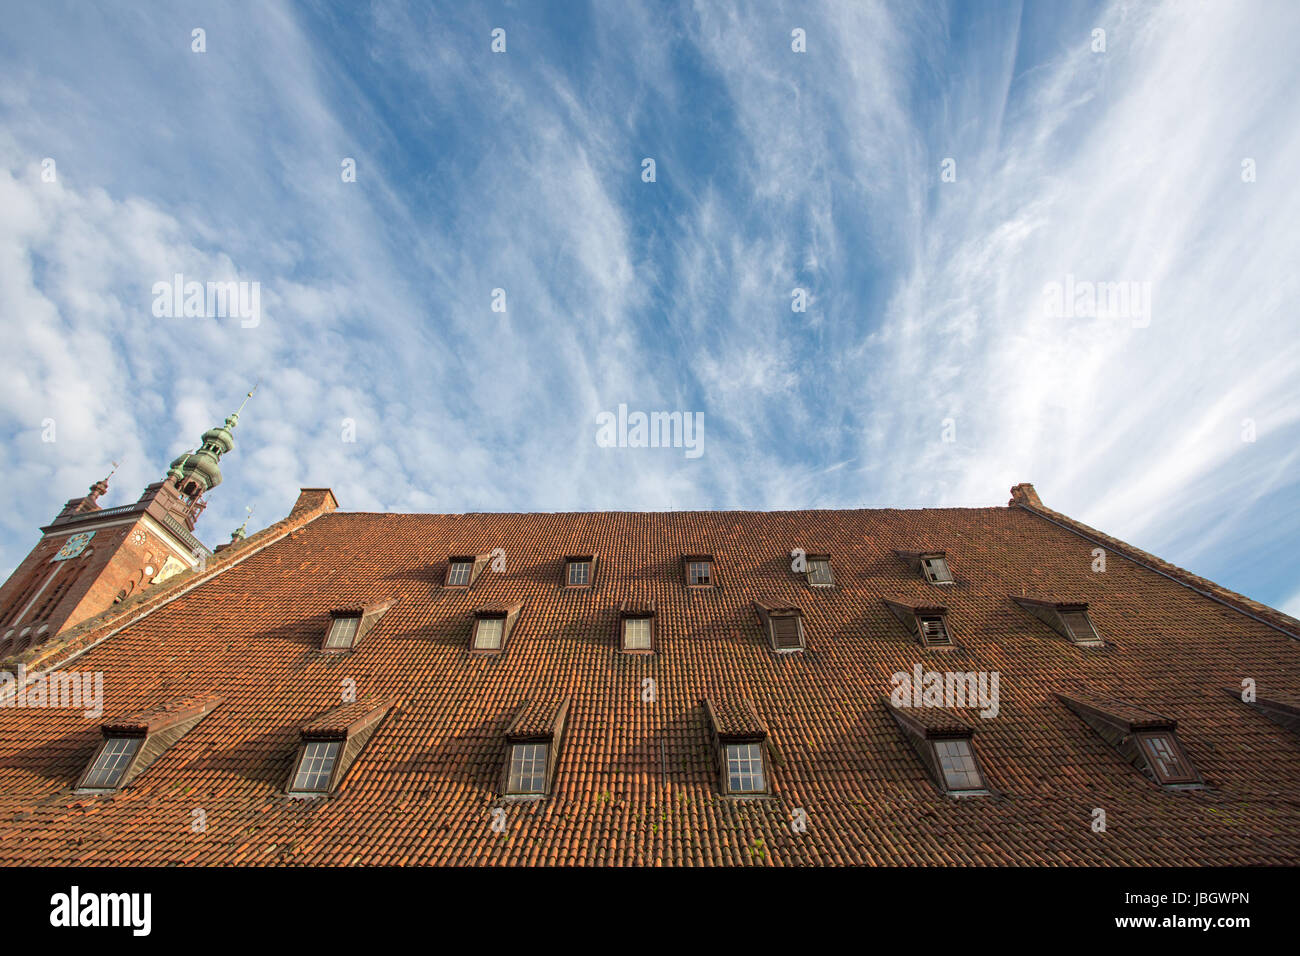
(90, 558)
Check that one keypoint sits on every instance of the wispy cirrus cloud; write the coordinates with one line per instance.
(776, 170)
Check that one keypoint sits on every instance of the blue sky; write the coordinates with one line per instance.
(775, 170)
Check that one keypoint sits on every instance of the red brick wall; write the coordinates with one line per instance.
(116, 559)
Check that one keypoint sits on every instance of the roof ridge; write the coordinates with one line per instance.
(676, 511)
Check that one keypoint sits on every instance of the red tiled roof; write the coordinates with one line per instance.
(537, 718)
(1130, 716)
(162, 716)
(932, 721)
(637, 779)
(733, 718)
(346, 719)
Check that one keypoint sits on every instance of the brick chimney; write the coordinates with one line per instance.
(1023, 494)
(314, 499)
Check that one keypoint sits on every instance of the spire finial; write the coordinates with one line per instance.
(240, 533)
(235, 417)
(98, 489)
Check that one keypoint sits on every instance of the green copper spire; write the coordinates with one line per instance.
(198, 472)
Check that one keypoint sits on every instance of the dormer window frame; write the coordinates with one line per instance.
(366, 617)
(822, 559)
(114, 747)
(936, 570)
(507, 614)
(1161, 747)
(934, 736)
(141, 739)
(918, 618)
(337, 625)
(468, 566)
(933, 566)
(628, 613)
(942, 755)
(524, 744)
(583, 568)
(1062, 617)
(736, 746)
(326, 741)
(690, 570)
(773, 615)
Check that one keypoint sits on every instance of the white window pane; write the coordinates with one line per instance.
(636, 634)
(316, 766)
(459, 573)
(579, 572)
(819, 572)
(958, 764)
(342, 632)
(527, 768)
(745, 768)
(487, 635)
(112, 762)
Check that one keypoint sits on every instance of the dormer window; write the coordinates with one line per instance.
(636, 627)
(488, 633)
(527, 769)
(931, 565)
(745, 768)
(132, 744)
(342, 632)
(1146, 739)
(331, 743)
(492, 627)
(819, 571)
(316, 767)
(945, 744)
(928, 625)
(579, 571)
(936, 570)
(1068, 618)
(1078, 627)
(463, 569)
(638, 633)
(1280, 707)
(459, 573)
(533, 742)
(782, 623)
(934, 630)
(349, 626)
(114, 756)
(699, 571)
(740, 741)
(957, 761)
(1167, 758)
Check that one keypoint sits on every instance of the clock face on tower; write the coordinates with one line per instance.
(74, 546)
